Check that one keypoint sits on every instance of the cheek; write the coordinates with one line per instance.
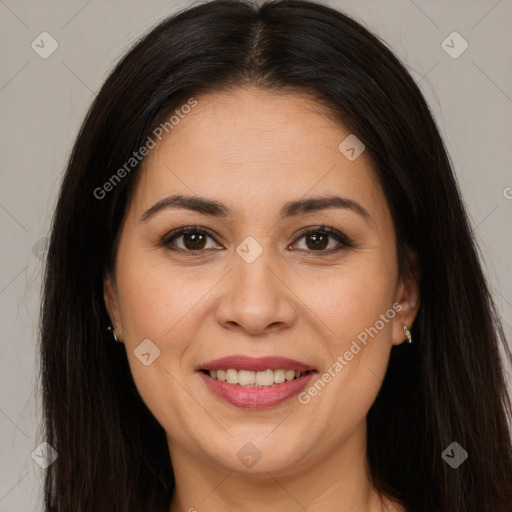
(157, 296)
(353, 299)
(357, 314)
(158, 305)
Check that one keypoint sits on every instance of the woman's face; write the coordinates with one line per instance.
(332, 304)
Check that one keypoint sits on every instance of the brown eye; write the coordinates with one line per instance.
(192, 239)
(318, 239)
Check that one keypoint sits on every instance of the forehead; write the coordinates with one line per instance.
(249, 148)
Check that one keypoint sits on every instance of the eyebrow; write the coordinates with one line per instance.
(290, 209)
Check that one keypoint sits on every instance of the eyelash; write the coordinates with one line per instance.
(325, 230)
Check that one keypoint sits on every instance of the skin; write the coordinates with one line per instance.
(254, 150)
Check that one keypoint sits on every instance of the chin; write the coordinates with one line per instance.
(254, 453)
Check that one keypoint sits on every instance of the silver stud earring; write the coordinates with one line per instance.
(407, 333)
(113, 329)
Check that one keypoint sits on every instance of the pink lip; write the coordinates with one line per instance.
(240, 362)
(256, 398)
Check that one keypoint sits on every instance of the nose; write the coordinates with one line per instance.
(256, 297)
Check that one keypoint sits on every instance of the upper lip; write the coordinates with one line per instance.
(241, 362)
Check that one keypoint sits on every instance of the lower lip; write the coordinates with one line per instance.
(256, 398)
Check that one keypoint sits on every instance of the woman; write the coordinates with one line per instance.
(258, 212)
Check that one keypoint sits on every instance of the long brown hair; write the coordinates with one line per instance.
(448, 386)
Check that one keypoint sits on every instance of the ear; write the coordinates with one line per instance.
(112, 304)
(408, 296)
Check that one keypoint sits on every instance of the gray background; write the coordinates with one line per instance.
(43, 102)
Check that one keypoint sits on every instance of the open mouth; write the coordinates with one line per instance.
(255, 379)
(255, 382)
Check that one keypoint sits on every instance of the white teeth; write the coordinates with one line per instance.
(265, 378)
(290, 374)
(246, 377)
(253, 379)
(279, 376)
(232, 376)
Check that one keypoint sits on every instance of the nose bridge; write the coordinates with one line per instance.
(255, 297)
(255, 269)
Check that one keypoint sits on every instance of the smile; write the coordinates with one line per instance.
(255, 379)
(255, 383)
